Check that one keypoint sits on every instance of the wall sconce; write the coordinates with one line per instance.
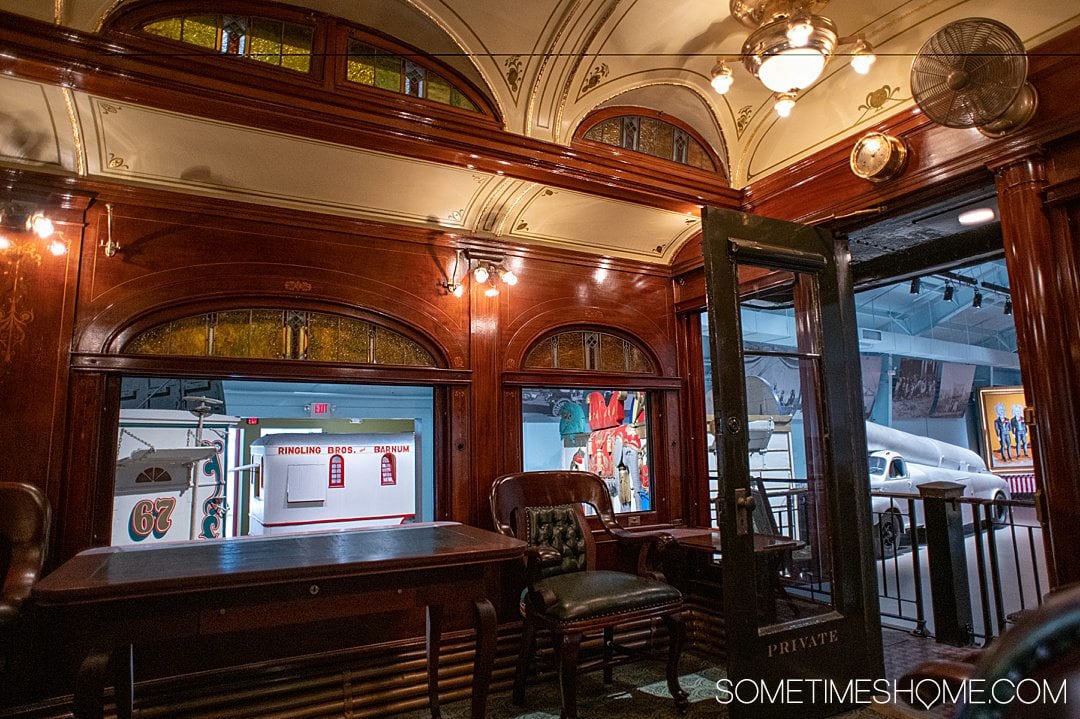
(110, 246)
(22, 218)
(485, 267)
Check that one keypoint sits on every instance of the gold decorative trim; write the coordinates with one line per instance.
(58, 12)
(117, 163)
(76, 131)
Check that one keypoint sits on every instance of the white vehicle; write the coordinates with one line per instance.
(907, 462)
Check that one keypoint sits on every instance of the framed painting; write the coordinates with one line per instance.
(1006, 440)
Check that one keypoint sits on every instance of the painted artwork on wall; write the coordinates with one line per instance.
(1006, 439)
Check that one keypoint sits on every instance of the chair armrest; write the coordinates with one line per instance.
(652, 547)
(537, 559)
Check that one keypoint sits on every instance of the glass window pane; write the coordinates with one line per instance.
(296, 47)
(414, 79)
(459, 99)
(591, 430)
(265, 42)
(201, 30)
(170, 28)
(437, 88)
(361, 66)
(388, 72)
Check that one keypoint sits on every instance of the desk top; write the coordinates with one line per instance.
(708, 540)
(110, 573)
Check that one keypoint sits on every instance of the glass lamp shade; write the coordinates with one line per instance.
(782, 66)
(791, 69)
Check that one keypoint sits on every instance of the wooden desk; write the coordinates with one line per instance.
(708, 540)
(107, 601)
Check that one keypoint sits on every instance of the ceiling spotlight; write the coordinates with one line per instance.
(784, 104)
(1008, 307)
(721, 77)
(977, 216)
(948, 293)
(481, 274)
(862, 57)
(976, 301)
(915, 286)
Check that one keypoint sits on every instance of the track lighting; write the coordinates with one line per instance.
(1008, 307)
(915, 286)
(948, 293)
(976, 300)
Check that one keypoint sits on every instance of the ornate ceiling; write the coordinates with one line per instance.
(545, 64)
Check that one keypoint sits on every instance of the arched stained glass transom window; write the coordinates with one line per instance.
(588, 350)
(375, 67)
(275, 42)
(652, 136)
(281, 334)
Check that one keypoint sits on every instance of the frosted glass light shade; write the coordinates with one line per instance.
(791, 69)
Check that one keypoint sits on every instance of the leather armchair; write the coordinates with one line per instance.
(565, 593)
(24, 531)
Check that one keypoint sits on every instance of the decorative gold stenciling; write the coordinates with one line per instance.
(13, 322)
(513, 72)
(876, 100)
(598, 73)
(297, 286)
(14, 318)
(746, 112)
(457, 216)
(108, 109)
(117, 163)
(522, 227)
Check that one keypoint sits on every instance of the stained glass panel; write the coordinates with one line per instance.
(170, 28)
(361, 65)
(201, 30)
(261, 334)
(388, 72)
(296, 44)
(265, 43)
(438, 89)
(458, 99)
(652, 136)
(578, 350)
(414, 79)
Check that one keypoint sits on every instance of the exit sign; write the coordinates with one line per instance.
(321, 409)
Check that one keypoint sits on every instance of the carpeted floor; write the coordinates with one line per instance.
(638, 692)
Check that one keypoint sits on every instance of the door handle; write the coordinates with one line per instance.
(744, 511)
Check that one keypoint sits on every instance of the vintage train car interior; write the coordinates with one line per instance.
(398, 357)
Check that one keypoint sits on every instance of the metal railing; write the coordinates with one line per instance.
(1003, 544)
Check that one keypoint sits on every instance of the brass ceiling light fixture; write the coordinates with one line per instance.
(789, 47)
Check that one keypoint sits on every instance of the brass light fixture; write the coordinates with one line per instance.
(789, 47)
(27, 219)
(487, 268)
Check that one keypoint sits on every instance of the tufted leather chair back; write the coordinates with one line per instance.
(563, 529)
(24, 532)
(544, 509)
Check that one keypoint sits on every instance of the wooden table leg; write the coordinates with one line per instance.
(97, 669)
(434, 636)
(485, 656)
